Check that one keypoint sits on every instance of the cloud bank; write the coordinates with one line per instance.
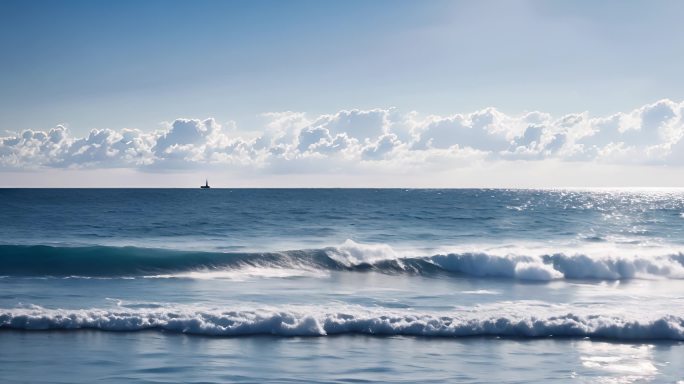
(382, 140)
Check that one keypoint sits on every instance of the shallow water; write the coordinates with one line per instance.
(159, 357)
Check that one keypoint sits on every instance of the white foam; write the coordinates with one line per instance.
(483, 265)
(524, 261)
(353, 253)
(533, 261)
(243, 273)
(519, 319)
(562, 266)
(481, 292)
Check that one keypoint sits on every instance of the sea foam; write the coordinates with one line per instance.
(515, 262)
(526, 321)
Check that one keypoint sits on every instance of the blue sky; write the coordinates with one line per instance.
(141, 65)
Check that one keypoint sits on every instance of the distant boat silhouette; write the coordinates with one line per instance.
(206, 184)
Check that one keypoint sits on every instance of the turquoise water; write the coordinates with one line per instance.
(341, 285)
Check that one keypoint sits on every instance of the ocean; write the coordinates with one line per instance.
(341, 285)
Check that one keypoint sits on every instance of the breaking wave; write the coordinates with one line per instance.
(322, 321)
(516, 263)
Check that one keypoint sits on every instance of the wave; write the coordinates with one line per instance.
(504, 262)
(322, 321)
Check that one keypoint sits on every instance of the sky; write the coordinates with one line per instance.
(341, 93)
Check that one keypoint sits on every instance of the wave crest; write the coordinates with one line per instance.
(522, 263)
(314, 321)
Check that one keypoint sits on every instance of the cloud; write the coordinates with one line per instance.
(184, 133)
(55, 148)
(380, 140)
(381, 148)
(356, 123)
(486, 130)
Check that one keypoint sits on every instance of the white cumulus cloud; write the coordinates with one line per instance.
(379, 139)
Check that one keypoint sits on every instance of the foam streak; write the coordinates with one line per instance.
(314, 321)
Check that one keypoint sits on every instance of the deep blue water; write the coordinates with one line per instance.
(263, 219)
(364, 284)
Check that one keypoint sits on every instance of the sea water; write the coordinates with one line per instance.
(341, 285)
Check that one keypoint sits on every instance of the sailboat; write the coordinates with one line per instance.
(206, 184)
